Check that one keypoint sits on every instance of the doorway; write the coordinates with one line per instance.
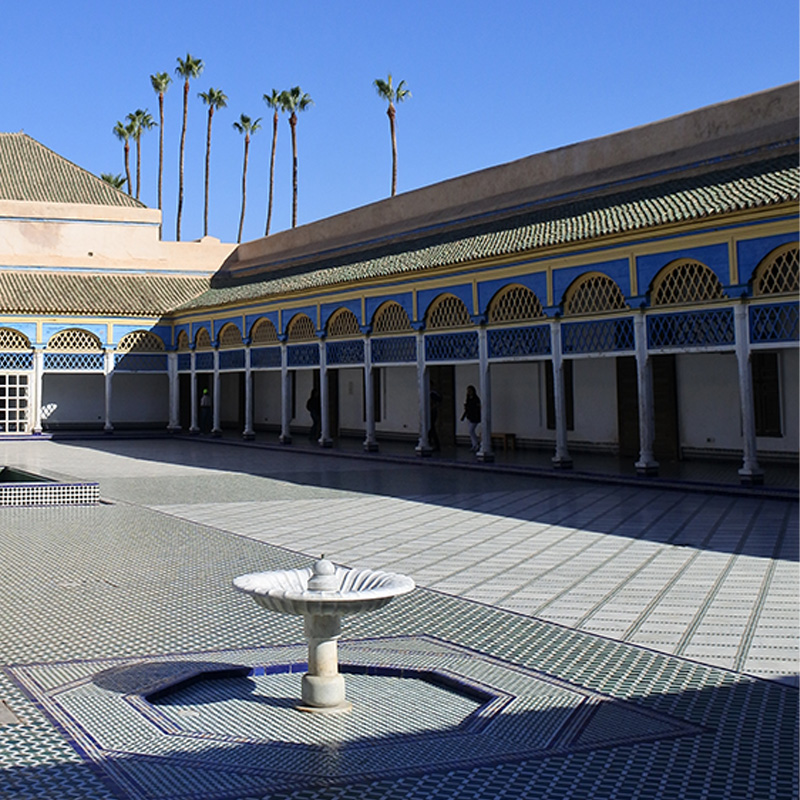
(443, 381)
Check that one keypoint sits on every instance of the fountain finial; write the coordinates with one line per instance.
(323, 578)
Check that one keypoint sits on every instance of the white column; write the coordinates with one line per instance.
(424, 391)
(561, 460)
(248, 396)
(216, 429)
(38, 379)
(485, 451)
(647, 464)
(174, 424)
(325, 425)
(194, 427)
(370, 443)
(108, 370)
(286, 399)
(751, 472)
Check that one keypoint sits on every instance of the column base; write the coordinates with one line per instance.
(284, 439)
(248, 437)
(561, 462)
(751, 477)
(108, 431)
(325, 442)
(423, 452)
(485, 457)
(647, 468)
(194, 431)
(371, 447)
(216, 434)
(174, 429)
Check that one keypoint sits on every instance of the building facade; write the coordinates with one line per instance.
(635, 294)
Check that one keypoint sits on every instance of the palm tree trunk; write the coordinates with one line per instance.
(244, 185)
(180, 172)
(272, 170)
(138, 165)
(208, 164)
(391, 112)
(160, 148)
(128, 166)
(293, 123)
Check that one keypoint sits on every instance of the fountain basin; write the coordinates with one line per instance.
(357, 591)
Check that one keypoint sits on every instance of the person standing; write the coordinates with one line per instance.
(472, 413)
(314, 408)
(205, 412)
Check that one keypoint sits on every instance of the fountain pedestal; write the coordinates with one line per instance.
(323, 595)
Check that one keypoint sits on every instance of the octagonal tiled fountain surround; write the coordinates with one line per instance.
(223, 724)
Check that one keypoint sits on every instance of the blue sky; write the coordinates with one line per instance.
(491, 82)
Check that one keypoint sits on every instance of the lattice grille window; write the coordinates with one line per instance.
(447, 312)
(391, 318)
(342, 324)
(12, 341)
(140, 342)
(685, 282)
(593, 294)
(301, 329)
(203, 340)
(74, 340)
(515, 304)
(230, 338)
(778, 273)
(263, 333)
(183, 342)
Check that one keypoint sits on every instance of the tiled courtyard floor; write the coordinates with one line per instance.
(636, 641)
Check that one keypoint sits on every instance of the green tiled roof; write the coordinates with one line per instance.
(79, 293)
(30, 171)
(676, 200)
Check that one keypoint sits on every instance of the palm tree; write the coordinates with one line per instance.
(274, 102)
(123, 133)
(387, 92)
(214, 99)
(292, 101)
(160, 82)
(117, 181)
(248, 127)
(187, 68)
(139, 121)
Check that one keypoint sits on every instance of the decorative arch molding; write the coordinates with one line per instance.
(778, 272)
(140, 342)
(593, 293)
(263, 332)
(300, 329)
(391, 317)
(343, 323)
(74, 340)
(183, 343)
(13, 341)
(202, 340)
(685, 281)
(446, 312)
(230, 337)
(514, 303)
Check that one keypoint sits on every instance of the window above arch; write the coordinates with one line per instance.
(12, 341)
(514, 304)
(301, 329)
(140, 342)
(230, 338)
(685, 281)
(183, 342)
(203, 340)
(593, 293)
(343, 323)
(263, 332)
(75, 340)
(391, 317)
(447, 311)
(778, 272)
